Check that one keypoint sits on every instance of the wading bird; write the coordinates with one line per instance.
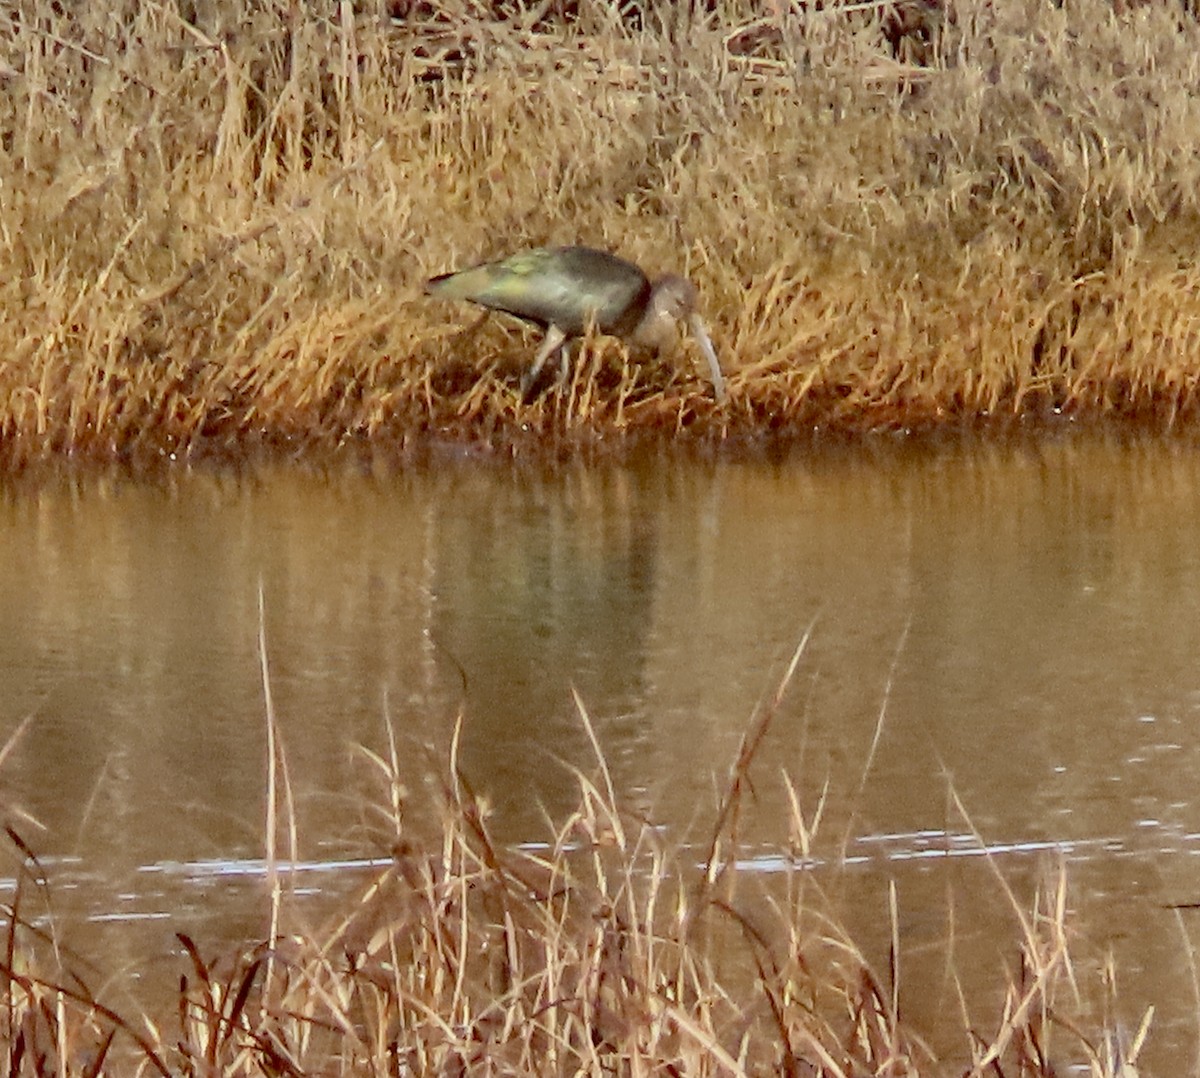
(566, 289)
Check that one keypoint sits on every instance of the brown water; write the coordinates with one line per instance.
(1018, 626)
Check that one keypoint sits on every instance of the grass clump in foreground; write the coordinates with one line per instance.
(216, 218)
(601, 952)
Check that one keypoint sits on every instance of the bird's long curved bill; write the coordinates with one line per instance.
(706, 346)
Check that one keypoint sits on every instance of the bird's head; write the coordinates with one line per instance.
(672, 300)
(673, 297)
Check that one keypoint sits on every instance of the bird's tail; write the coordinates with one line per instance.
(465, 284)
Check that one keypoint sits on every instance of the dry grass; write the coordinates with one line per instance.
(603, 951)
(594, 956)
(216, 218)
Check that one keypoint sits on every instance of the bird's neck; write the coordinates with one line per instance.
(656, 329)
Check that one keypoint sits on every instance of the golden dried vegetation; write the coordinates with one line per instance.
(601, 951)
(216, 219)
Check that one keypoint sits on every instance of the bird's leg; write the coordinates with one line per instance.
(551, 343)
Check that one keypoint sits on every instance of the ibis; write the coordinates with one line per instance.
(566, 289)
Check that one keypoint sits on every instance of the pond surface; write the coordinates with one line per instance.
(1012, 629)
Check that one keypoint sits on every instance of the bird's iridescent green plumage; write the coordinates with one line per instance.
(568, 289)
